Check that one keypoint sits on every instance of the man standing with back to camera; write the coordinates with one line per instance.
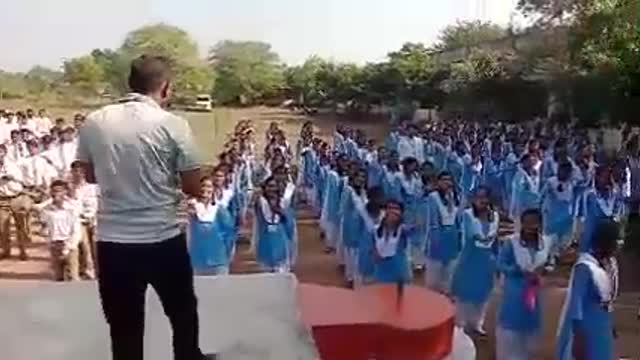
(138, 153)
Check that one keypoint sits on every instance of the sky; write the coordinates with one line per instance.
(45, 32)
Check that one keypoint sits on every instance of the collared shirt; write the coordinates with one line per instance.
(86, 200)
(43, 125)
(62, 224)
(17, 151)
(10, 187)
(137, 150)
(37, 171)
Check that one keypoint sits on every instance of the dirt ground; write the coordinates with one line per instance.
(317, 267)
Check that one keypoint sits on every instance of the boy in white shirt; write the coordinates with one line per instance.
(43, 123)
(63, 227)
(85, 199)
(64, 153)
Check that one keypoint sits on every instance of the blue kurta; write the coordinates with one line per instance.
(272, 238)
(525, 194)
(586, 313)
(210, 242)
(557, 208)
(598, 207)
(443, 239)
(513, 313)
(395, 268)
(474, 275)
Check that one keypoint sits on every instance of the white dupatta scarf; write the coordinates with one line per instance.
(532, 182)
(447, 213)
(490, 236)
(526, 260)
(605, 286)
(387, 244)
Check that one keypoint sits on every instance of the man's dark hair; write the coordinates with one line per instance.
(148, 73)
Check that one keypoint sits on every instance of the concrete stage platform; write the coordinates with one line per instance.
(244, 317)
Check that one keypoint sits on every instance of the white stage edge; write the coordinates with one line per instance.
(243, 317)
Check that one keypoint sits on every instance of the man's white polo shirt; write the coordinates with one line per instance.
(137, 150)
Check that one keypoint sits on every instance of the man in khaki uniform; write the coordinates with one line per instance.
(13, 204)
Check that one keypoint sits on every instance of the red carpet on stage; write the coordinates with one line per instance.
(373, 322)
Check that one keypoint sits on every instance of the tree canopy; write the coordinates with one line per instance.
(462, 69)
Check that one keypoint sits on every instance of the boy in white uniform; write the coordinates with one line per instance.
(85, 199)
(64, 231)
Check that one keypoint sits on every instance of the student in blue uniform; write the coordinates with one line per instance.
(272, 229)
(456, 165)
(585, 330)
(287, 191)
(352, 228)
(493, 174)
(557, 211)
(443, 234)
(521, 261)
(526, 187)
(474, 275)
(598, 204)
(472, 174)
(211, 233)
(371, 216)
(392, 172)
(390, 246)
(329, 219)
(411, 188)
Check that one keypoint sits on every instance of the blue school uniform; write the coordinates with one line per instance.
(598, 206)
(443, 230)
(494, 180)
(509, 170)
(514, 314)
(272, 236)
(211, 234)
(411, 191)
(375, 174)
(456, 166)
(474, 275)
(391, 185)
(586, 309)
(557, 211)
(440, 155)
(584, 181)
(392, 266)
(329, 219)
(471, 176)
(525, 193)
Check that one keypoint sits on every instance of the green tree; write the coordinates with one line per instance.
(247, 72)
(84, 74)
(40, 79)
(115, 69)
(414, 74)
(302, 82)
(160, 39)
(192, 74)
(465, 34)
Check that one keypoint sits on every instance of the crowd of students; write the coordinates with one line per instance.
(464, 202)
(38, 176)
(458, 202)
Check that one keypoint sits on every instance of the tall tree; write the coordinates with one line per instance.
(246, 71)
(83, 73)
(464, 34)
(192, 75)
(161, 39)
